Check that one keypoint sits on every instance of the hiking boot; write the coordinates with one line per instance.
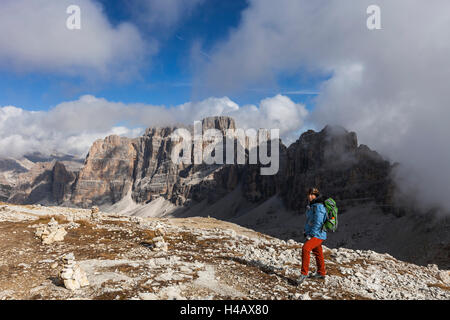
(301, 279)
(317, 276)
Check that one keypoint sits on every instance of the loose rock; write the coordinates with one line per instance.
(72, 275)
(50, 233)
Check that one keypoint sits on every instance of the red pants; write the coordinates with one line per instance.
(314, 245)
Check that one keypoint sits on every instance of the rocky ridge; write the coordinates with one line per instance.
(142, 168)
(121, 261)
(116, 167)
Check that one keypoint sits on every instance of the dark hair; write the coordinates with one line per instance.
(314, 191)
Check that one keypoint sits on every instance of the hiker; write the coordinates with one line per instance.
(316, 216)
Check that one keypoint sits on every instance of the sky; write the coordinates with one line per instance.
(175, 33)
(287, 64)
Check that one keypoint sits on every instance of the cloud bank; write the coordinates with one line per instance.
(71, 127)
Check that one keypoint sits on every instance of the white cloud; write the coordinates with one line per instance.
(23, 132)
(389, 85)
(34, 37)
(278, 112)
(71, 127)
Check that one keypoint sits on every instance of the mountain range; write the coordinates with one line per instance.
(136, 176)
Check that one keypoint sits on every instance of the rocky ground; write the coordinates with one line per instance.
(127, 257)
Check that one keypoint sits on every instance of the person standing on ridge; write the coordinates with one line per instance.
(316, 215)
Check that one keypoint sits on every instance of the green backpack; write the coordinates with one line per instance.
(331, 223)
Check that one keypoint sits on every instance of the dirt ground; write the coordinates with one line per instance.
(204, 259)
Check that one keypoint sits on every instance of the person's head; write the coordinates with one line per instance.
(313, 193)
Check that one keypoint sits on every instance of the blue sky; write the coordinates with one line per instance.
(167, 77)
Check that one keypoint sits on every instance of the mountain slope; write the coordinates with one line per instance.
(118, 254)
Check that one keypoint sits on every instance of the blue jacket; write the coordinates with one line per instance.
(316, 215)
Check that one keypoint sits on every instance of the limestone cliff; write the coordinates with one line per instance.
(107, 174)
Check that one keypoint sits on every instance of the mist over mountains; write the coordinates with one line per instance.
(388, 85)
(72, 127)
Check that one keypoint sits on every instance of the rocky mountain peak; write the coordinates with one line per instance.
(331, 139)
(221, 123)
(161, 131)
(107, 174)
